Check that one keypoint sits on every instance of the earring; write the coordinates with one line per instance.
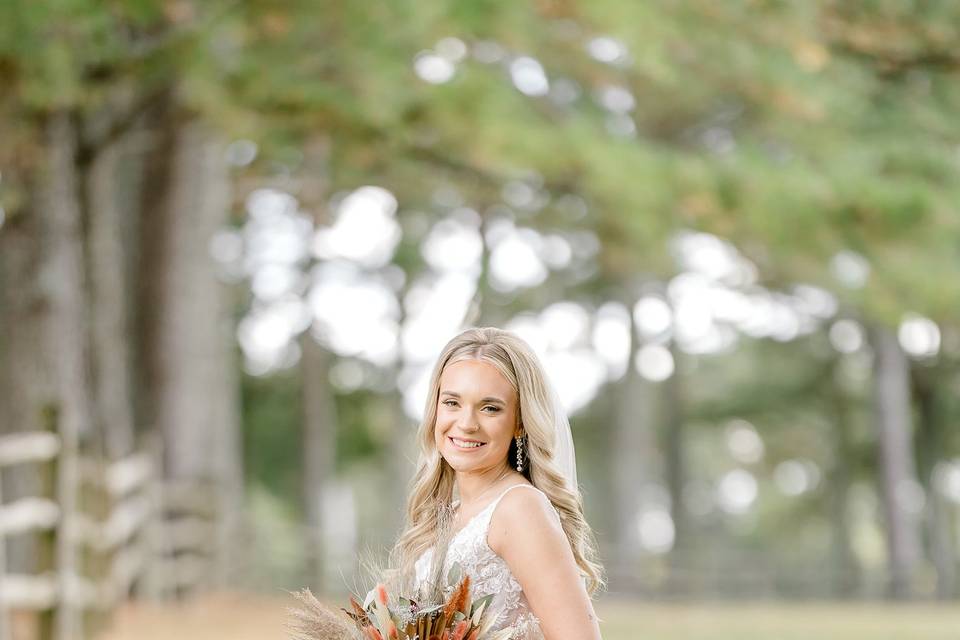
(520, 461)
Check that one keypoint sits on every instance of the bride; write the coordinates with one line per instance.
(494, 433)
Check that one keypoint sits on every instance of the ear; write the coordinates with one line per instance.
(519, 432)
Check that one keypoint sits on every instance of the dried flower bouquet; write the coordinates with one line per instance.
(379, 618)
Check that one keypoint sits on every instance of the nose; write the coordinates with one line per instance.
(468, 425)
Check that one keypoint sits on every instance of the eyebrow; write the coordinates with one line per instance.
(487, 399)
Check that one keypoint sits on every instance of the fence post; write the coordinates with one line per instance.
(47, 540)
(69, 618)
(5, 633)
(95, 560)
(157, 574)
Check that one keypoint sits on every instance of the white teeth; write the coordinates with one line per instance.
(466, 445)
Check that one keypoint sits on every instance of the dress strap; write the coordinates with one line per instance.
(493, 505)
(488, 516)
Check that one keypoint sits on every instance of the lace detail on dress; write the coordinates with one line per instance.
(489, 574)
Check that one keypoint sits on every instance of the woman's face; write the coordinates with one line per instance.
(476, 416)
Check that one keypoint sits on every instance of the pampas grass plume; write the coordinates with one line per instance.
(313, 621)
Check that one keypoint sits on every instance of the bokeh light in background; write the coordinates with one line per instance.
(342, 283)
(352, 294)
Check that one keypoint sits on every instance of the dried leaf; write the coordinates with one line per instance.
(503, 634)
(453, 576)
(479, 603)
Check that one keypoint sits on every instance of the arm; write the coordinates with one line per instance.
(525, 531)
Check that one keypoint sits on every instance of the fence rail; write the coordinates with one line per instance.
(133, 532)
(23, 448)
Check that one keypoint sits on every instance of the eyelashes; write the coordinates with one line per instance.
(451, 403)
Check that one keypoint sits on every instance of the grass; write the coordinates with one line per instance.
(779, 621)
(249, 617)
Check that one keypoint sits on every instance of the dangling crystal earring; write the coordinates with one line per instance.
(520, 460)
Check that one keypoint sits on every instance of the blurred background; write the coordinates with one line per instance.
(234, 237)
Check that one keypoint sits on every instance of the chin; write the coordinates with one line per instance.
(458, 463)
(459, 468)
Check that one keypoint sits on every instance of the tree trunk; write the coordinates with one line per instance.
(319, 447)
(28, 393)
(898, 477)
(939, 534)
(402, 451)
(672, 419)
(67, 336)
(635, 463)
(846, 576)
(109, 290)
(186, 322)
(484, 310)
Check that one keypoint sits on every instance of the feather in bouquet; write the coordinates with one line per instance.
(378, 618)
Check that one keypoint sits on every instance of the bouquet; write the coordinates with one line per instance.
(380, 618)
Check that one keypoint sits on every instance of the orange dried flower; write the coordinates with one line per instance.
(460, 630)
(458, 601)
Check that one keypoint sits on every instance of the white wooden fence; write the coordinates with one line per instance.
(132, 533)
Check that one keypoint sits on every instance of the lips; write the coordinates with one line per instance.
(466, 445)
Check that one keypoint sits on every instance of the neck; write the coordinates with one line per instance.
(472, 486)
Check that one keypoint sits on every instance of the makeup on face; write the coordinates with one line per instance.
(476, 416)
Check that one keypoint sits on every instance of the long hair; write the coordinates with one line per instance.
(432, 486)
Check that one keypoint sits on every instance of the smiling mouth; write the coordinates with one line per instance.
(466, 444)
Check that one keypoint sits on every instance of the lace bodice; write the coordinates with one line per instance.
(489, 574)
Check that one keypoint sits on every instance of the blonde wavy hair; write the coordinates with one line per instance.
(432, 487)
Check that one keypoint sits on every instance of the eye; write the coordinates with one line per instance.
(490, 406)
(447, 402)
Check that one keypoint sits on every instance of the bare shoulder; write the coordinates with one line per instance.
(525, 531)
(523, 514)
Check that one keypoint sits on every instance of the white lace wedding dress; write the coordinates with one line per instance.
(489, 574)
